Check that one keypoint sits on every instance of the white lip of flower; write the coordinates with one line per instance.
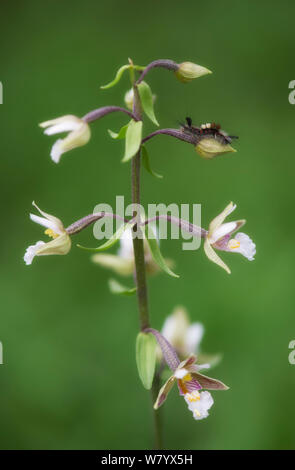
(199, 403)
(183, 336)
(61, 243)
(219, 237)
(79, 134)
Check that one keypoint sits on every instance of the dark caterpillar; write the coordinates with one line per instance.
(207, 130)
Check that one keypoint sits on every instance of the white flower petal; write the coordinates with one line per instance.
(126, 245)
(194, 337)
(222, 230)
(200, 407)
(56, 151)
(180, 373)
(65, 126)
(175, 329)
(46, 223)
(245, 246)
(59, 228)
(31, 252)
(218, 220)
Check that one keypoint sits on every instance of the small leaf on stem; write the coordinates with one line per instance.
(119, 135)
(146, 162)
(117, 77)
(147, 101)
(133, 139)
(118, 289)
(111, 241)
(156, 254)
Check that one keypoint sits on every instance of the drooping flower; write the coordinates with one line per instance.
(190, 382)
(79, 134)
(219, 237)
(61, 243)
(184, 336)
(123, 263)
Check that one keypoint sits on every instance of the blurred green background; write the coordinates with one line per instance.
(69, 378)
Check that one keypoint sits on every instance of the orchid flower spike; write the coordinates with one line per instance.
(79, 134)
(61, 243)
(219, 237)
(190, 382)
(182, 335)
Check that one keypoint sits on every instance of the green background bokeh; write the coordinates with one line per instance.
(69, 378)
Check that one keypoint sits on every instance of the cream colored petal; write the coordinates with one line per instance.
(46, 223)
(58, 223)
(211, 254)
(163, 393)
(59, 246)
(123, 267)
(175, 327)
(217, 221)
(77, 138)
(61, 124)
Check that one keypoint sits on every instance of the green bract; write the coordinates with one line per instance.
(119, 135)
(147, 101)
(118, 289)
(119, 75)
(133, 139)
(156, 254)
(111, 241)
(146, 348)
(146, 162)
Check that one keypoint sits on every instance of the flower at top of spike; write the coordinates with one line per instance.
(61, 243)
(79, 134)
(219, 237)
(190, 382)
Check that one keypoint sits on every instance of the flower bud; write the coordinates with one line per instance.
(128, 98)
(187, 71)
(209, 148)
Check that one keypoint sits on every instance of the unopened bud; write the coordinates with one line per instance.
(187, 71)
(128, 98)
(209, 148)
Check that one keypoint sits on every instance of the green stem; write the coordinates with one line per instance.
(140, 270)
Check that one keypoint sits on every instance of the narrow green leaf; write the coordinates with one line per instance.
(118, 289)
(117, 77)
(133, 139)
(120, 135)
(146, 162)
(146, 349)
(147, 101)
(140, 68)
(111, 241)
(156, 254)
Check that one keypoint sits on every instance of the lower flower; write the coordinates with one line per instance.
(61, 243)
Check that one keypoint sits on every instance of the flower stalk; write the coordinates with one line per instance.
(139, 258)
